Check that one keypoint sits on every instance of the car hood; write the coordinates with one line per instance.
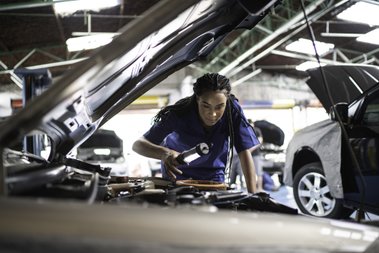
(171, 35)
(345, 82)
(51, 226)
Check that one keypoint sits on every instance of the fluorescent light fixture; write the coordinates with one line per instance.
(341, 35)
(370, 37)
(361, 12)
(88, 42)
(305, 46)
(70, 7)
(308, 65)
(102, 151)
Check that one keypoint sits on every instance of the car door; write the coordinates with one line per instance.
(364, 140)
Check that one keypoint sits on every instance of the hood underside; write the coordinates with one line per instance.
(345, 82)
(171, 35)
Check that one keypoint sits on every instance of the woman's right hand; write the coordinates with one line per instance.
(170, 163)
(166, 155)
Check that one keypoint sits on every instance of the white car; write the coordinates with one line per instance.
(333, 165)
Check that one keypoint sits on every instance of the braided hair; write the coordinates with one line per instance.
(207, 82)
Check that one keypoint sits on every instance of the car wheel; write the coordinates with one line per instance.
(312, 194)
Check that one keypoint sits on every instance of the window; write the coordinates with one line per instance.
(371, 115)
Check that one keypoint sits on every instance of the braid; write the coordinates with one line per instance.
(180, 107)
(211, 81)
(207, 82)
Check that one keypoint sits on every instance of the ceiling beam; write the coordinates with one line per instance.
(60, 27)
(281, 30)
(227, 48)
(47, 65)
(267, 51)
(303, 57)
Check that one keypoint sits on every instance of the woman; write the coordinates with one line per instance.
(210, 115)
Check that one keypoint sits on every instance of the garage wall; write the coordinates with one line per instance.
(272, 87)
(8, 92)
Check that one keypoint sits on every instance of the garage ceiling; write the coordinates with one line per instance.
(34, 36)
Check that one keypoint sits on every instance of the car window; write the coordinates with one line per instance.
(371, 115)
(354, 107)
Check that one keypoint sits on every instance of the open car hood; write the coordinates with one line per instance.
(345, 82)
(171, 35)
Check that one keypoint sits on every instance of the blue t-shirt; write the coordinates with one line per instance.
(182, 132)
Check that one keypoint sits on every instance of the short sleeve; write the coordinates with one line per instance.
(244, 134)
(158, 132)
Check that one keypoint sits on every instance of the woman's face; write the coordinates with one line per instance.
(211, 106)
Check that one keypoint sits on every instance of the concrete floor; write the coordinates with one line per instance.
(285, 196)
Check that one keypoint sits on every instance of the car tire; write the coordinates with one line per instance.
(312, 194)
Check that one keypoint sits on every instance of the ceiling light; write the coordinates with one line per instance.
(70, 7)
(305, 46)
(102, 151)
(361, 12)
(308, 65)
(370, 37)
(341, 35)
(88, 42)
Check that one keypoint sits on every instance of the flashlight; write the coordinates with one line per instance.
(192, 154)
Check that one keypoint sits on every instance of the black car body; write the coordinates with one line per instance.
(105, 148)
(271, 148)
(62, 204)
(333, 166)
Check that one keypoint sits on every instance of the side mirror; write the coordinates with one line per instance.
(342, 110)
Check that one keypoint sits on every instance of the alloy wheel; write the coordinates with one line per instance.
(314, 194)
